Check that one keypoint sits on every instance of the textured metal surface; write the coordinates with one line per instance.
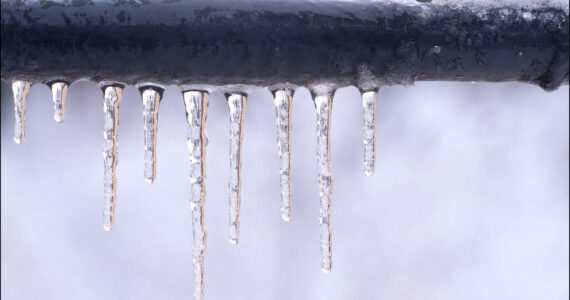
(263, 43)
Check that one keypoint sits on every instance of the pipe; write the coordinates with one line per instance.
(299, 42)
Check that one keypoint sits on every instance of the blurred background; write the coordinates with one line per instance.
(470, 199)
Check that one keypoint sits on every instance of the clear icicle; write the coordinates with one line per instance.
(20, 90)
(283, 99)
(151, 99)
(110, 155)
(59, 93)
(369, 139)
(196, 103)
(323, 104)
(236, 103)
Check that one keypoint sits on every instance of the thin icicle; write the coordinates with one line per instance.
(59, 93)
(369, 139)
(196, 103)
(110, 155)
(236, 103)
(151, 97)
(283, 99)
(20, 90)
(323, 104)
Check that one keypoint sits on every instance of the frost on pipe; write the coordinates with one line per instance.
(264, 43)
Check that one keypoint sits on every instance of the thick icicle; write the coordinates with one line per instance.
(151, 97)
(323, 104)
(236, 103)
(283, 99)
(110, 155)
(59, 93)
(369, 139)
(196, 103)
(20, 90)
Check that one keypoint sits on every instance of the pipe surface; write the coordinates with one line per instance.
(264, 43)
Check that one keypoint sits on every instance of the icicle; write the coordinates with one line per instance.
(20, 90)
(282, 99)
(323, 104)
(110, 155)
(236, 103)
(196, 103)
(369, 140)
(151, 97)
(59, 92)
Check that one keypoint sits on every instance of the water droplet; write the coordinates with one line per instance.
(59, 94)
(283, 99)
(323, 105)
(111, 103)
(20, 90)
(196, 103)
(236, 103)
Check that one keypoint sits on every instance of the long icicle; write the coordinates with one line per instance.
(283, 99)
(110, 155)
(20, 90)
(369, 139)
(59, 94)
(196, 103)
(236, 103)
(323, 104)
(151, 97)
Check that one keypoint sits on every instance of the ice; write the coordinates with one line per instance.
(59, 94)
(196, 103)
(323, 105)
(236, 103)
(20, 90)
(151, 97)
(283, 99)
(110, 155)
(369, 139)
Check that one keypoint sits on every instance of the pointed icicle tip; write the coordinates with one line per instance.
(20, 90)
(151, 97)
(59, 95)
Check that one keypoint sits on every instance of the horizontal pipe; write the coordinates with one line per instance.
(267, 43)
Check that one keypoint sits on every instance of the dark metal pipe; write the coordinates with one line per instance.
(265, 43)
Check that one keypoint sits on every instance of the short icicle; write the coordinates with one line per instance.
(151, 97)
(196, 103)
(236, 103)
(283, 99)
(59, 93)
(20, 90)
(369, 139)
(110, 155)
(323, 105)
